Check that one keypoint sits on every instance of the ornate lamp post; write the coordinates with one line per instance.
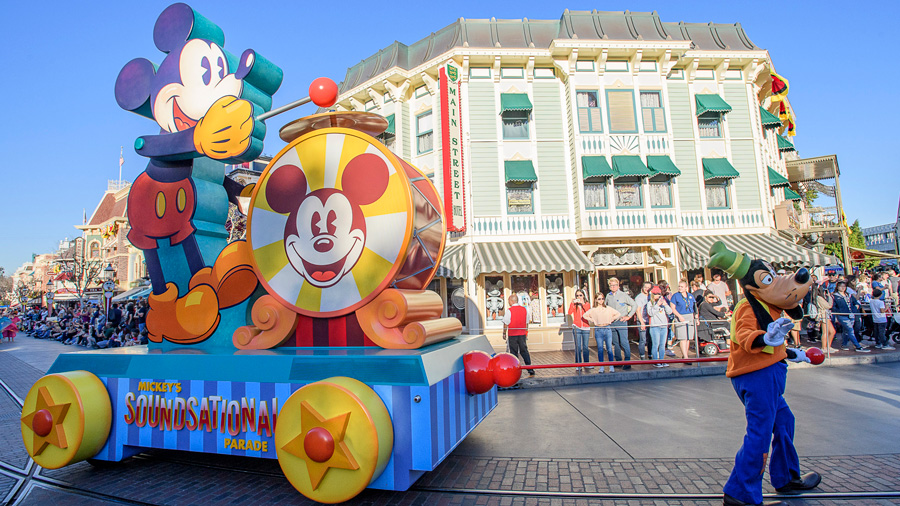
(50, 295)
(23, 295)
(109, 286)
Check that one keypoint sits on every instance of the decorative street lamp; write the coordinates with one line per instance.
(109, 286)
(50, 297)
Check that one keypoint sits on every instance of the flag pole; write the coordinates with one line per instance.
(121, 161)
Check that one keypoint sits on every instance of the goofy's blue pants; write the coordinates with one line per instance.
(769, 420)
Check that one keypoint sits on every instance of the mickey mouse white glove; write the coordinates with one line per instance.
(799, 355)
(777, 330)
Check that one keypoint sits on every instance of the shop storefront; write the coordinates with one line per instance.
(541, 274)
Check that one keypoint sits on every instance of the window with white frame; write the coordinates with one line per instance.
(589, 117)
(717, 194)
(710, 124)
(424, 133)
(652, 113)
(661, 191)
(628, 192)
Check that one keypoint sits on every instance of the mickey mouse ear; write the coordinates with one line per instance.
(180, 23)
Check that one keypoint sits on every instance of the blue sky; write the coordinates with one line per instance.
(62, 129)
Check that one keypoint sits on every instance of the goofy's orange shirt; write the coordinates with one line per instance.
(744, 330)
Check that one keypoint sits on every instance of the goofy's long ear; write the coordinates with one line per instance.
(180, 23)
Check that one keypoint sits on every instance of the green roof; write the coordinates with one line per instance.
(519, 171)
(711, 103)
(769, 120)
(718, 168)
(514, 102)
(776, 179)
(662, 164)
(390, 128)
(791, 194)
(785, 145)
(629, 165)
(595, 166)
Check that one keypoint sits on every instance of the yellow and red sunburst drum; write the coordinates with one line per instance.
(336, 218)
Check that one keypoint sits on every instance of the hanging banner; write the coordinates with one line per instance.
(451, 144)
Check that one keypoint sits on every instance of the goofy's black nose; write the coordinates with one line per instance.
(802, 276)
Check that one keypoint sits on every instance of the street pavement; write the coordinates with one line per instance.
(647, 440)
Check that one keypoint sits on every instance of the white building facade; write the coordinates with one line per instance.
(601, 144)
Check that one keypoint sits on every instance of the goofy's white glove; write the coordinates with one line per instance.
(797, 355)
(777, 330)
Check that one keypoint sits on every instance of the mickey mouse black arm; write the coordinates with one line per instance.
(168, 147)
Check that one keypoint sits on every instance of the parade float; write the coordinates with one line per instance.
(313, 341)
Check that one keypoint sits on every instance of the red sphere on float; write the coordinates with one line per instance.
(323, 92)
(477, 367)
(815, 355)
(506, 369)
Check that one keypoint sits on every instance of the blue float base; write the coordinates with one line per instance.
(159, 398)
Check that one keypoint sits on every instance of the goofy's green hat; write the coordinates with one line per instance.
(735, 264)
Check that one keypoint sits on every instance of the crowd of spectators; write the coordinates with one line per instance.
(860, 308)
(88, 326)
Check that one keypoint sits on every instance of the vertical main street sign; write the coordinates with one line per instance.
(451, 145)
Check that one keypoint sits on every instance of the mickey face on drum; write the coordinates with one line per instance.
(326, 231)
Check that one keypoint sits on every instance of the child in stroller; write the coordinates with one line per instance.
(714, 330)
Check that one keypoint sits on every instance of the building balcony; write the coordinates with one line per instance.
(522, 224)
(671, 219)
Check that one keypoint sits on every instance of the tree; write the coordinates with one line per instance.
(6, 288)
(857, 240)
(83, 272)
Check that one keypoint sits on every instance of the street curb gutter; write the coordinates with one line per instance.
(681, 371)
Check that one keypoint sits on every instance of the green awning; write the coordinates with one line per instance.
(662, 164)
(785, 145)
(694, 251)
(453, 262)
(791, 194)
(776, 179)
(629, 166)
(530, 256)
(718, 168)
(514, 102)
(595, 166)
(390, 128)
(769, 120)
(519, 171)
(711, 103)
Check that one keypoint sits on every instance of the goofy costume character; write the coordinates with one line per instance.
(758, 373)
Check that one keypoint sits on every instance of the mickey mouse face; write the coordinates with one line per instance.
(328, 240)
(203, 78)
(330, 222)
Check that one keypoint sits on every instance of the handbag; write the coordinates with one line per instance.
(812, 311)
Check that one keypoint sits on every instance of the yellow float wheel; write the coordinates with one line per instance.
(66, 418)
(333, 438)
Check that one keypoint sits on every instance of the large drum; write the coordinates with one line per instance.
(336, 218)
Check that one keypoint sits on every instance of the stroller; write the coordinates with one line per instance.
(893, 331)
(714, 338)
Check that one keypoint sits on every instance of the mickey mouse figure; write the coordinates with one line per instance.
(205, 101)
(758, 374)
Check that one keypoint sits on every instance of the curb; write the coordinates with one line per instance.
(684, 372)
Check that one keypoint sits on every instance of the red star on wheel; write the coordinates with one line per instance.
(321, 443)
(46, 422)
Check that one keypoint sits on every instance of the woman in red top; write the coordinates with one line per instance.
(581, 328)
